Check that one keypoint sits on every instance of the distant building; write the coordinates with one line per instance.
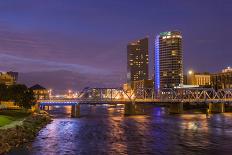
(200, 79)
(7, 79)
(222, 80)
(137, 60)
(226, 70)
(168, 60)
(40, 92)
(14, 75)
(127, 86)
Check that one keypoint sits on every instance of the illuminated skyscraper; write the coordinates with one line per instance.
(168, 60)
(137, 60)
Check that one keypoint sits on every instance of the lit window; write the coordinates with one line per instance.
(165, 74)
(174, 53)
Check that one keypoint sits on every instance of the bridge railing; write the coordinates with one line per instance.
(196, 94)
(143, 95)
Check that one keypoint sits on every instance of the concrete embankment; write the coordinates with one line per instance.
(21, 134)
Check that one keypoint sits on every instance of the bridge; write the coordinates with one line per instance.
(74, 104)
(175, 99)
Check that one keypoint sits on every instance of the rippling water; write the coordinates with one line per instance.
(105, 130)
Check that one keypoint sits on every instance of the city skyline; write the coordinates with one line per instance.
(77, 39)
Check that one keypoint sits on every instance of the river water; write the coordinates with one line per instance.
(105, 130)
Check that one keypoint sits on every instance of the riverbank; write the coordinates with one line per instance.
(10, 117)
(25, 132)
(105, 130)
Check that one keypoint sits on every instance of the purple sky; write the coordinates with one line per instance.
(69, 44)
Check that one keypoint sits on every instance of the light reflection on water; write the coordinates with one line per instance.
(105, 130)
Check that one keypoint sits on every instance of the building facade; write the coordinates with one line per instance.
(137, 60)
(168, 60)
(14, 75)
(7, 79)
(200, 79)
(142, 84)
(40, 92)
(222, 80)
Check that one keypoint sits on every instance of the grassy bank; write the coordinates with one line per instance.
(9, 116)
(19, 135)
(4, 120)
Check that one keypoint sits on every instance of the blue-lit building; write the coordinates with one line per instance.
(168, 60)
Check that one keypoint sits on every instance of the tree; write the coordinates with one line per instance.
(21, 95)
(3, 92)
(16, 92)
(27, 99)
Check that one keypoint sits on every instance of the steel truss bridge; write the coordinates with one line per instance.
(118, 95)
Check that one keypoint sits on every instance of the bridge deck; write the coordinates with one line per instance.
(78, 101)
(51, 103)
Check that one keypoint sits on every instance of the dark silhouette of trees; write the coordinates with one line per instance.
(19, 93)
(3, 92)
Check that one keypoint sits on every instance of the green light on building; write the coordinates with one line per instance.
(165, 33)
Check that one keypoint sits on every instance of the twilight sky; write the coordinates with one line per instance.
(70, 44)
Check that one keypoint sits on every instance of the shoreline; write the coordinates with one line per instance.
(20, 135)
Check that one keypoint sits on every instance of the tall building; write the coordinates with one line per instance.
(168, 60)
(137, 60)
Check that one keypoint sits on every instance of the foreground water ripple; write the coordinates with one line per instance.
(105, 130)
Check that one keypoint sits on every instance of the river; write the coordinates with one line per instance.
(105, 130)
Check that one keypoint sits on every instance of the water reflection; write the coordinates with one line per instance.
(105, 130)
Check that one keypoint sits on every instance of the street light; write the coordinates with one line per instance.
(50, 93)
(190, 72)
(190, 77)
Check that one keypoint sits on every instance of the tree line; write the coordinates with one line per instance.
(20, 94)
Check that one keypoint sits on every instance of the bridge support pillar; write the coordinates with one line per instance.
(134, 109)
(42, 107)
(228, 108)
(176, 108)
(216, 107)
(76, 110)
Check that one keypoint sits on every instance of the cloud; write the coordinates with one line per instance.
(57, 46)
(21, 64)
(62, 80)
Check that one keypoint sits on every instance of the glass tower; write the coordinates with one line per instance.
(168, 60)
(137, 60)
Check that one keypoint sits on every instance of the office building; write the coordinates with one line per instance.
(199, 79)
(137, 60)
(168, 60)
(222, 80)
